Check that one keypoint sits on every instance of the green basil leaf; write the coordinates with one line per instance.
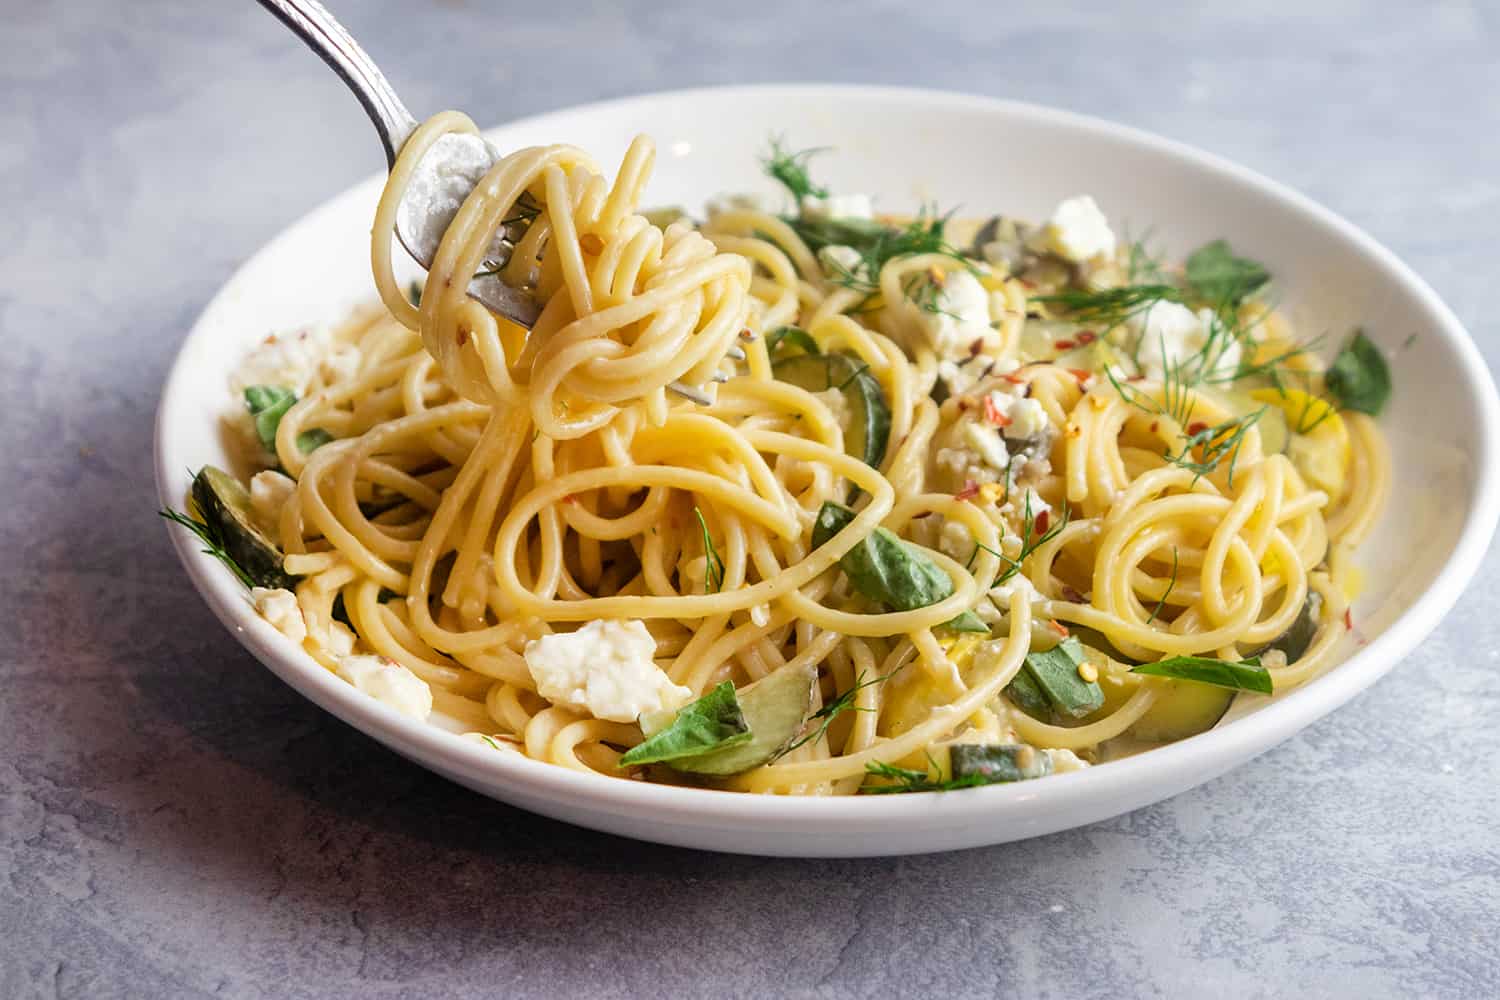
(313, 439)
(268, 404)
(712, 722)
(968, 622)
(1359, 377)
(884, 568)
(1025, 695)
(1056, 672)
(1247, 675)
(1216, 275)
(791, 336)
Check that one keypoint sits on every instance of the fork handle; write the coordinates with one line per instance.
(325, 36)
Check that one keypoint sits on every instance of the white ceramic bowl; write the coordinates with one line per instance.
(907, 146)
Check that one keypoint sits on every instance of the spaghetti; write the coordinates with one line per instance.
(493, 510)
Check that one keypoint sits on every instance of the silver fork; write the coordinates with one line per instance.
(446, 175)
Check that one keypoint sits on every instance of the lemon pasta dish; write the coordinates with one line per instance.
(797, 496)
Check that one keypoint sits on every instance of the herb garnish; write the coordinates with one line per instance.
(713, 722)
(267, 405)
(1246, 675)
(1214, 445)
(1165, 593)
(831, 711)
(713, 566)
(791, 170)
(1359, 377)
(908, 780)
(212, 544)
(1214, 274)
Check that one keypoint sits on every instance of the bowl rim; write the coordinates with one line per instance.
(1176, 766)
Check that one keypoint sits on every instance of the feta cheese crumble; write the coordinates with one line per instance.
(1169, 334)
(959, 315)
(837, 206)
(734, 201)
(286, 359)
(604, 668)
(387, 681)
(279, 607)
(269, 492)
(1077, 231)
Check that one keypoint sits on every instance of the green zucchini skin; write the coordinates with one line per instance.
(867, 432)
(1182, 709)
(225, 507)
(998, 762)
(1300, 634)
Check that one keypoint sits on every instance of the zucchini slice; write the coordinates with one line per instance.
(775, 707)
(1182, 709)
(867, 415)
(1299, 635)
(998, 762)
(225, 506)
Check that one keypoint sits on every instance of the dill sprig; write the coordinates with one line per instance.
(1165, 593)
(713, 566)
(910, 780)
(1030, 542)
(1110, 307)
(831, 711)
(790, 169)
(212, 544)
(1215, 445)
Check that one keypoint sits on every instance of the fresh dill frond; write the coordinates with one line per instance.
(790, 170)
(831, 711)
(1142, 267)
(909, 780)
(212, 544)
(1171, 583)
(713, 566)
(1110, 307)
(1030, 542)
(1215, 445)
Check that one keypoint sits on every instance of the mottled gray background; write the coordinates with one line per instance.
(175, 822)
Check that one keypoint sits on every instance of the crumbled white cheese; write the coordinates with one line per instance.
(961, 376)
(1064, 761)
(340, 639)
(837, 206)
(834, 399)
(288, 359)
(734, 201)
(1026, 417)
(387, 681)
(959, 315)
(280, 608)
(341, 364)
(1169, 334)
(986, 442)
(843, 263)
(269, 492)
(955, 541)
(1077, 231)
(605, 668)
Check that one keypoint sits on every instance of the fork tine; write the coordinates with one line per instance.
(688, 392)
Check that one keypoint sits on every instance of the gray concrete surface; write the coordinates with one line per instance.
(175, 822)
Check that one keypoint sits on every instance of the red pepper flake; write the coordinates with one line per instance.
(1072, 596)
(976, 347)
(1348, 620)
(1197, 427)
(1014, 378)
(1059, 628)
(1041, 520)
(1136, 378)
(1028, 283)
(463, 337)
(1065, 345)
(969, 492)
(992, 413)
(568, 498)
(1086, 337)
(1155, 426)
(1080, 374)
(921, 514)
